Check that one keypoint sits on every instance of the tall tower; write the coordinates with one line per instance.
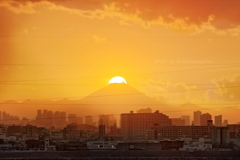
(72, 118)
(218, 121)
(204, 119)
(63, 117)
(101, 128)
(39, 119)
(89, 120)
(187, 120)
(196, 118)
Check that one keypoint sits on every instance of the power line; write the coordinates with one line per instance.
(116, 104)
(140, 93)
(67, 84)
(106, 65)
(176, 71)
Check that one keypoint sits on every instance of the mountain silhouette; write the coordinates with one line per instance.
(118, 98)
(118, 93)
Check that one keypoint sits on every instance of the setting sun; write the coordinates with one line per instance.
(117, 79)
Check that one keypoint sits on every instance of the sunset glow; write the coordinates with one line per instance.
(181, 53)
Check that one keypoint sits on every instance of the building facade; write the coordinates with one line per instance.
(178, 132)
(89, 120)
(204, 118)
(220, 136)
(196, 118)
(218, 120)
(186, 119)
(136, 125)
(178, 122)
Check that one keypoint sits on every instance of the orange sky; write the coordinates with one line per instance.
(70, 48)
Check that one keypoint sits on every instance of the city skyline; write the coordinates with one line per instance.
(145, 130)
(60, 118)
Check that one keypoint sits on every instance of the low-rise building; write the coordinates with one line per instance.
(171, 144)
(102, 145)
(178, 132)
(139, 146)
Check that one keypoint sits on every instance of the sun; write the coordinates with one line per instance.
(117, 79)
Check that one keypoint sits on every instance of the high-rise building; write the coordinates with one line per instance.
(39, 119)
(14, 130)
(29, 130)
(56, 118)
(147, 110)
(102, 130)
(210, 123)
(204, 119)
(233, 130)
(72, 118)
(89, 120)
(25, 121)
(59, 119)
(104, 119)
(225, 122)
(114, 130)
(220, 135)
(218, 121)
(178, 122)
(9, 119)
(107, 120)
(196, 118)
(63, 117)
(135, 125)
(49, 119)
(112, 120)
(39, 113)
(79, 120)
(186, 119)
(2, 130)
(44, 118)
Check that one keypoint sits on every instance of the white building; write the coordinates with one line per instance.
(102, 145)
(220, 135)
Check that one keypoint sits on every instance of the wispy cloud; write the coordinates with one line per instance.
(227, 89)
(199, 15)
(99, 39)
(223, 90)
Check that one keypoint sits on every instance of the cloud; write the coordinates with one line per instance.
(185, 13)
(198, 15)
(173, 93)
(98, 39)
(228, 89)
(218, 91)
(16, 7)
